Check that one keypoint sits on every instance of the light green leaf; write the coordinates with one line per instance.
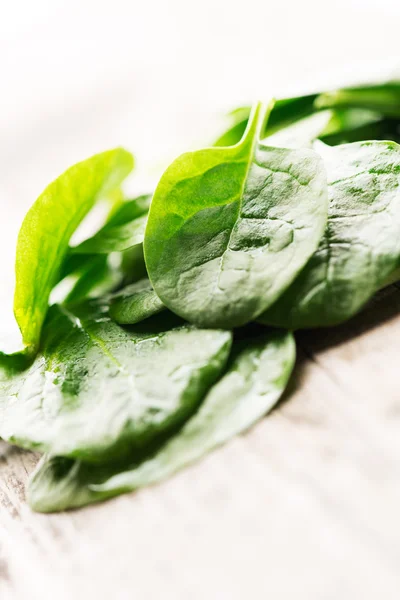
(254, 382)
(128, 210)
(230, 228)
(360, 249)
(114, 239)
(284, 113)
(101, 276)
(135, 303)
(238, 119)
(92, 393)
(125, 228)
(46, 230)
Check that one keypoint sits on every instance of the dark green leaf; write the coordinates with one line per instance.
(230, 228)
(252, 385)
(347, 119)
(133, 266)
(361, 246)
(135, 303)
(382, 98)
(343, 129)
(92, 393)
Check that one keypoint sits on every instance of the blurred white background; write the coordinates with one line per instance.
(78, 77)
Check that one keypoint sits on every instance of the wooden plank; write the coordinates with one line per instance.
(305, 505)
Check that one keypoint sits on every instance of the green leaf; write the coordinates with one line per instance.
(254, 382)
(285, 112)
(135, 303)
(331, 126)
(230, 228)
(75, 264)
(382, 98)
(288, 111)
(360, 249)
(114, 239)
(100, 276)
(133, 266)
(108, 264)
(92, 393)
(238, 119)
(128, 210)
(93, 276)
(354, 125)
(125, 228)
(303, 133)
(46, 230)
(348, 119)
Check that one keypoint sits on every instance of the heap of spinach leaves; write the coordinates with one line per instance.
(176, 333)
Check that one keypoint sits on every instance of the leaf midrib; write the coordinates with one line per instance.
(260, 118)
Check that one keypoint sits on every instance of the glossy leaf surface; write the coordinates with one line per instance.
(135, 303)
(124, 228)
(92, 392)
(253, 383)
(284, 113)
(47, 228)
(360, 249)
(230, 228)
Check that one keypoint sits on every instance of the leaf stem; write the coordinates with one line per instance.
(257, 122)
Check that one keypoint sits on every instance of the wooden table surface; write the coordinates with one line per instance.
(305, 506)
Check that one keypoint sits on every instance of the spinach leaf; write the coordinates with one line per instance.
(348, 119)
(75, 264)
(46, 231)
(99, 277)
(383, 98)
(238, 119)
(303, 133)
(125, 228)
(128, 210)
(344, 129)
(285, 112)
(288, 111)
(93, 276)
(92, 393)
(255, 380)
(114, 239)
(93, 273)
(135, 303)
(230, 228)
(360, 249)
(133, 266)
(333, 127)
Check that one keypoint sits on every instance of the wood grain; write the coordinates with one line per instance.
(305, 505)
